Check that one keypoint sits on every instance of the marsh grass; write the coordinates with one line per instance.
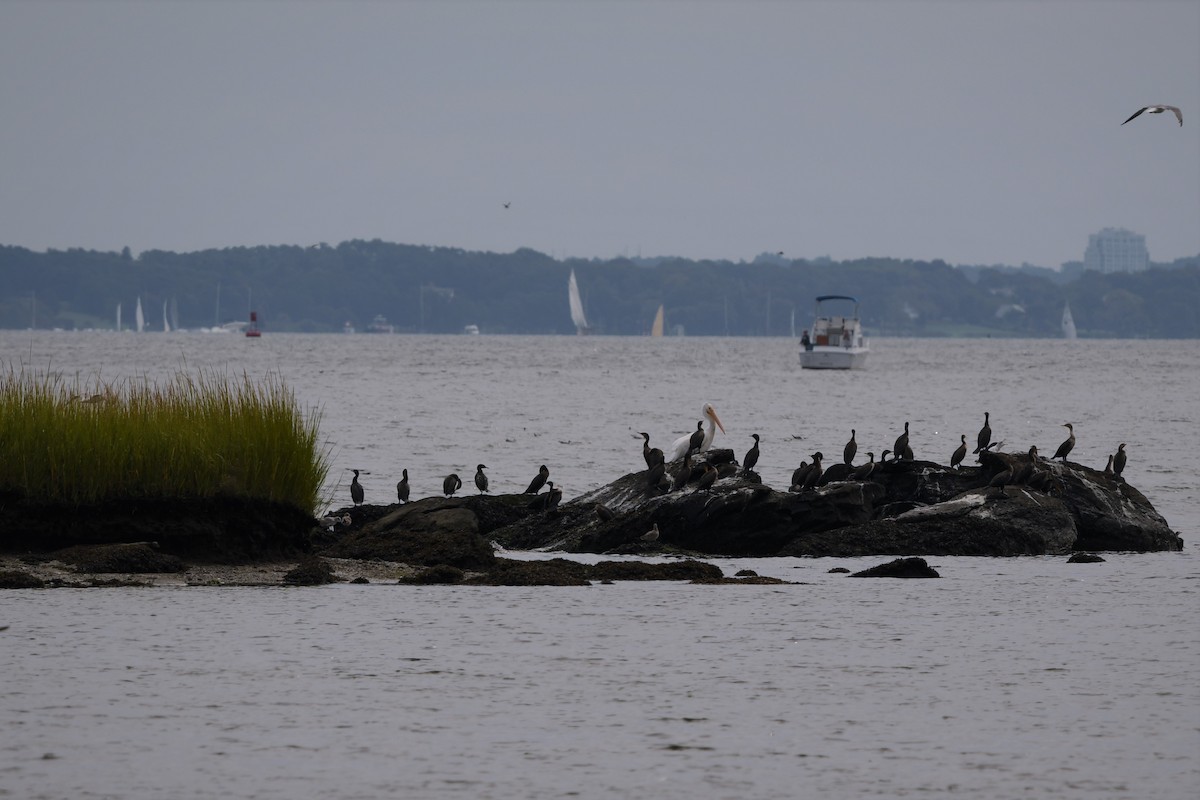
(203, 435)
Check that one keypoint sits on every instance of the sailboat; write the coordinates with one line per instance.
(1068, 323)
(139, 317)
(657, 328)
(118, 318)
(166, 323)
(577, 315)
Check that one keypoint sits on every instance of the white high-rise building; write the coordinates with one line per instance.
(1116, 250)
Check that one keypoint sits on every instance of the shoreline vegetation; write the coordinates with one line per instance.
(81, 442)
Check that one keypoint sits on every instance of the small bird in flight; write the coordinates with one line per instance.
(1157, 110)
(509, 203)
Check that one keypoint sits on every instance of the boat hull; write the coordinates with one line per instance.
(834, 358)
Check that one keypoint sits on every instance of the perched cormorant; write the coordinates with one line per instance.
(1000, 480)
(850, 449)
(542, 501)
(814, 472)
(356, 490)
(751, 455)
(863, 471)
(604, 512)
(652, 454)
(1025, 471)
(697, 438)
(883, 456)
(908, 453)
(985, 435)
(901, 445)
(651, 535)
(553, 497)
(655, 474)
(799, 473)
(684, 443)
(402, 487)
(684, 473)
(707, 479)
(836, 472)
(1065, 448)
(539, 480)
(451, 484)
(960, 453)
(1119, 460)
(481, 481)
(1108, 468)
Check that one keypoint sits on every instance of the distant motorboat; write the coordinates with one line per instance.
(835, 342)
(576, 303)
(1068, 322)
(471, 330)
(380, 324)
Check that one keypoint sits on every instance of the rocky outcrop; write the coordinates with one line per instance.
(912, 567)
(904, 508)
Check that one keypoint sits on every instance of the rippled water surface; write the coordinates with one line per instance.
(1006, 678)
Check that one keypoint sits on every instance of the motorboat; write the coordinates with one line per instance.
(835, 341)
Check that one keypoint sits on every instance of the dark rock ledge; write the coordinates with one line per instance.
(905, 508)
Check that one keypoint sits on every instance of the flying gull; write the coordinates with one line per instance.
(1157, 110)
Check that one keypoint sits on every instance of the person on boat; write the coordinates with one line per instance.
(805, 342)
(845, 337)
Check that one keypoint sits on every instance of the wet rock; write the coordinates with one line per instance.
(688, 570)
(438, 574)
(311, 571)
(17, 579)
(905, 507)
(554, 572)
(900, 568)
(136, 558)
(1084, 558)
(838, 570)
(745, 573)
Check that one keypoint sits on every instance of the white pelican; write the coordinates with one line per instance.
(1157, 110)
(683, 442)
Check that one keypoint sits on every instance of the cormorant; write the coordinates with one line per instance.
(655, 474)
(1065, 448)
(402, 487)
(799, 473)
(835, 472)
(356, 490)
(1108, 468)
(451, 484)
(1025, 471)
(850, 450)
(539, 480)
(1000, 480)
(814, 472)
(751, 455)
(684, 443)
(604, 512)
(985, 435)
(553, 497)
(901, 445)
(481, 481)
(863, 471)
(960, 453)
(697, 439)
(1119, 460)
(684, 473)
(707, 479)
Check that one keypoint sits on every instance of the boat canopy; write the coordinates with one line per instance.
(825, 297)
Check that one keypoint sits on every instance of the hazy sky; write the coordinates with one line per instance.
(974, 132)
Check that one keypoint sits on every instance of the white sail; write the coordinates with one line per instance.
(1068, 323)
(657, 329)
(118, 317)
(139, 317)
(577, 315)
(166, 324)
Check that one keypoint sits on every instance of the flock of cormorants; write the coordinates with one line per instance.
(808, 475)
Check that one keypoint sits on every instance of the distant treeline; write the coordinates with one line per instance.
(441, 290)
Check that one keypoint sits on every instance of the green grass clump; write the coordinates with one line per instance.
(203, 436)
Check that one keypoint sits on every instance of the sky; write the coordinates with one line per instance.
(981, 132)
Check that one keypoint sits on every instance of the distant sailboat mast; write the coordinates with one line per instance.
(1068, 322)
(577, 315)
(139, 317)
(166, 323)
(118, 317)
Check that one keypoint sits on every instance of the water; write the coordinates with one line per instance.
(1006, 678)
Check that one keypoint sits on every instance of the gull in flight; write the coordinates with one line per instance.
(1157, 110)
